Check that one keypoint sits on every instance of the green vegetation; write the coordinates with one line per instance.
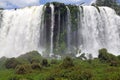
(67, 63)
(105, 67)
(11, 63)
(60, 12)
(44, 62)
(60, 24)
(30, 57)
(74, 10)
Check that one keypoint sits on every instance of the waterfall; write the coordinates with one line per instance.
(68, 30)
(52, 29)
(42, 40)
(20, 30)
(99, 30)
(24, 30)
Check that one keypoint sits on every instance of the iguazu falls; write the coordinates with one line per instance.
(59, 39)
(59, 29)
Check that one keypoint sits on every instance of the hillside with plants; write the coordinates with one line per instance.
(32, 66)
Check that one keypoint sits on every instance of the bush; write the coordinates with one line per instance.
(86, 75)
(44, 62)
(80, 75)
(104, 56)
(11, 63)
(36, 66)
(30, 57)
(23, 69)
(35, 61)
(67, 63)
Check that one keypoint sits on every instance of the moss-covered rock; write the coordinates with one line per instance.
(30, 57)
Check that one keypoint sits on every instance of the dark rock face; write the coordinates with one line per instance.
(60, 24)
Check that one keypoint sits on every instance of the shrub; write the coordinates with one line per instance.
(44, 62)
(104, 56)
(30, 57)
(23, 69)
(67, 63)
(11, 63)
(78, 74)
(86, 75)
(35, 61)
(36, 66)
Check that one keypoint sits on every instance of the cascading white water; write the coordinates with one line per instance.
(99, 30)
(20, 31)
(23, 30)
(68, 30)
(52, 29)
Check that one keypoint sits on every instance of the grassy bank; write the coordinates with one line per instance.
(65, 69)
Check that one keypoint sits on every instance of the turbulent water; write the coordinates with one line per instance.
(100, 30)
(20, 31)
(23, 30)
